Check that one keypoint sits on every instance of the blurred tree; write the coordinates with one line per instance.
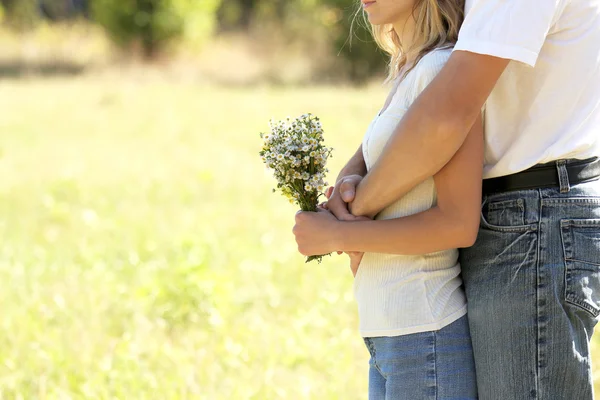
(153, 23)
(340, 22)
(148, 22)
(62, 9)
(21, 14)
(235, 15)
(239, 15)
(353, 41)
(198, 20)
(24, 13)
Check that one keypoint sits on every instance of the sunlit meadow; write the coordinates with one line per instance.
(144, 256)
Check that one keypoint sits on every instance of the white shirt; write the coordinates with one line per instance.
(546, 106)
(400, 295)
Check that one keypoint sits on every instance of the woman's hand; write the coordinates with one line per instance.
(316, 232)
(355, 256)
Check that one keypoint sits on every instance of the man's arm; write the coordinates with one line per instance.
(355, 166)
(431, 132)
(452, 223)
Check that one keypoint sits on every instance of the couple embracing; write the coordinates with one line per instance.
(471, 210)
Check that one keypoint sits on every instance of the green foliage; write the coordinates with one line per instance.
(198, 19)
(149, 22)
(348, 33)
(310, 21)
(21, 14)
(56, 10)
(154, 23)
(362, 58)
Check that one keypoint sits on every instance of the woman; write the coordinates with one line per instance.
(411, 303)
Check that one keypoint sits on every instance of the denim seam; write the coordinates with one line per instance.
(582, 261)
(435, 356)
(537, 297)
(514, 229)
(590, 200)
(586, 307)
(580, 223)
(505, 204)
(562, 241)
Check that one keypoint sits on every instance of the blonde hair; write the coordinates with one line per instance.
(437, 23)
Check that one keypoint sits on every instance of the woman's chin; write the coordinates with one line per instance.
(375, 21)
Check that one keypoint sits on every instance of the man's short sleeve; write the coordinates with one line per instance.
(511, 29)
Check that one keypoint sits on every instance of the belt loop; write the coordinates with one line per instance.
(563, 176)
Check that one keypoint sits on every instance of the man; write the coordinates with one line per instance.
(533, 277)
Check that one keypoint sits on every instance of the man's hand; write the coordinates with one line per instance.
(342, 194)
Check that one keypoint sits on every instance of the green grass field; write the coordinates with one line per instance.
(143, 255)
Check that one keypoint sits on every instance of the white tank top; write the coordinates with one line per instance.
(397, 294)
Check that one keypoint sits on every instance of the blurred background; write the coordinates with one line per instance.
(142, 252)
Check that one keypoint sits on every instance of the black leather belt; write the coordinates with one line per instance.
(545, 176)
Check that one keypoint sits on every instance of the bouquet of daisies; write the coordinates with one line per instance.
(294, 151)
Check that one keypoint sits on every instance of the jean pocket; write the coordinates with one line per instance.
(505, 216)
(581, 246)
(506, 213)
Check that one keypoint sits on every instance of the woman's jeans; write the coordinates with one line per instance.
(422, 366)
(533, 289)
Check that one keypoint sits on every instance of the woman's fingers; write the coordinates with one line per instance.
(329, 192)
(323, 205)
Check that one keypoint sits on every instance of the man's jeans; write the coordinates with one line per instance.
(533, 288)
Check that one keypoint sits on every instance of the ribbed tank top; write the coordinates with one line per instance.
(398, 294)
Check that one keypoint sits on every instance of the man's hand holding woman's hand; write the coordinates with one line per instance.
(316, 232)
(341, 195)
(338, 199)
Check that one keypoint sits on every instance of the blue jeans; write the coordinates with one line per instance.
(422, 366)
(533, 288)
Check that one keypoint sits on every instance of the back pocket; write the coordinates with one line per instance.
(581, 245)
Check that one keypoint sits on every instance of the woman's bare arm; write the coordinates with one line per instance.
(452, 223)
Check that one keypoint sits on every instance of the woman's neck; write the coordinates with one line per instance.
(405, 29)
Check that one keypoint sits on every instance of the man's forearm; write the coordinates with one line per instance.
(355, 166)
(431, 131)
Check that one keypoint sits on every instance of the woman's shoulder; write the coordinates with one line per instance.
(428, 67)
(434, 60)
